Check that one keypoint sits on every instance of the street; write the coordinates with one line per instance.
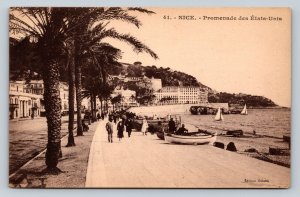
(27, 138)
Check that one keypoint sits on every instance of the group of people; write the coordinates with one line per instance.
(122, 125)
(100, 116)
(126, 123)
(172, 128)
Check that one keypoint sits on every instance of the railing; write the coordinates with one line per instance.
(13, 106)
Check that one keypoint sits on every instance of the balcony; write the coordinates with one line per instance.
(13, 106)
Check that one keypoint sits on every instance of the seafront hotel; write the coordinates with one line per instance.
(180, 95)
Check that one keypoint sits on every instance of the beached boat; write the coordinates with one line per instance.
(219, 115)
(244, 111)
(196, 138)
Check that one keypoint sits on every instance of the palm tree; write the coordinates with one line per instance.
(71, 79)
(87, 36)
(46, 27)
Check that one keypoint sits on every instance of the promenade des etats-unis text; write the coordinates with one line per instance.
(223, 18)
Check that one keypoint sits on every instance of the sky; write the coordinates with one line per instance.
(235, 56)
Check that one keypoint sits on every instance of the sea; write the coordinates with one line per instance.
(270, 122)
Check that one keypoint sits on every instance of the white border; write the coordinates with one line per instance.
(5, 191)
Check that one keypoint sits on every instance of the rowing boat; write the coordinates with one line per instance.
(197, 138)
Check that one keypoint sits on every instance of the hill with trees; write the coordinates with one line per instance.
(240, 99)
(171, 77)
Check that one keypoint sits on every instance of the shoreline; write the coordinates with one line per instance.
(259, 143)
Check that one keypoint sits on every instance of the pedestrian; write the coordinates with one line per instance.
(32, 115)
(144, 126)
(160, 127)
(172, 126)
(129, 126)
(115, 118)
(120, 128)
(182, 130)
(85, 127)
(98, 116)
(109, 129)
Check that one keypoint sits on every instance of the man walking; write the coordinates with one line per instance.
(129, 126)
(109, 129)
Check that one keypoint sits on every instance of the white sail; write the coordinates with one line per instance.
(244, 111)
(219, 115)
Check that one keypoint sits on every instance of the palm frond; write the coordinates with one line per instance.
(117, 13)
(142, 10)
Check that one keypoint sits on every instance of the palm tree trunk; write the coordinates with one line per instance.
(71, 141)
(94, 111)
(101, 104)
(78, 91)
(53, 115)
(92, 107)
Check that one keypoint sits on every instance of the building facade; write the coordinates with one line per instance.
(26, 99)
(21, 103)
(128, 97)
(180, 95)
(34, 87)
(143, 81)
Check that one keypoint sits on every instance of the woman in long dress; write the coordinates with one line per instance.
(120, 128)
(144, 127)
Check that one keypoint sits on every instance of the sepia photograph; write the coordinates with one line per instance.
(149, 97)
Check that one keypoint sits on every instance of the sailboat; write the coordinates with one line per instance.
(219, 115)
(244, 111)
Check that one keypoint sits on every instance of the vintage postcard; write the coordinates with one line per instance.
(130, 97)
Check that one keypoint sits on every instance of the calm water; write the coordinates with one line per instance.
(273, 122)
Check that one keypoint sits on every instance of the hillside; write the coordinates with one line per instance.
(25, 66)
(240, 99)
(170, 77)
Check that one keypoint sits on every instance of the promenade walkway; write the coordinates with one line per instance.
(145, 161)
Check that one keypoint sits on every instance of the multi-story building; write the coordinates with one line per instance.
(35, 87)
(21, 103)
(152, 83)
(64, 96)
(27, 98)
(128, 97)
(180, 95)
(156, 84)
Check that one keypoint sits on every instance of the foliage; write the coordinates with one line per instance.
(241, 99)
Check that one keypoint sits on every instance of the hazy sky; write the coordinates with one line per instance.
(247, 56)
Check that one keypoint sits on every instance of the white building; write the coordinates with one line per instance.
(180, 95)
(64, 96)
(21, 103)
(34, 87)
(156, 84)
(128, 97)
(144, 81)
(27, 98)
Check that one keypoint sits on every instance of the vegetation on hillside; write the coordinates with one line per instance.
(241, 99)
(168, 76)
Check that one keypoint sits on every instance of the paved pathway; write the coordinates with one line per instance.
(145, 161)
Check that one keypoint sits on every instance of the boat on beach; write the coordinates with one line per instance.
(194, 138)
